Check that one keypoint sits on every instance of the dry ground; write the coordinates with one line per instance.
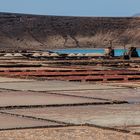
(69, 133)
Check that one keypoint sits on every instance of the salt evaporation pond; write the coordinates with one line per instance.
(118, 52)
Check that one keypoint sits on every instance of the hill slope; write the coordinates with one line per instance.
(18, 31)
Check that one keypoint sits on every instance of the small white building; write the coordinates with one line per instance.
(106, 51)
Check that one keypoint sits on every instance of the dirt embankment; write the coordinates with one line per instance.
(18, 31)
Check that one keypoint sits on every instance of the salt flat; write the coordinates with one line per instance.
(101, 115)
(53, 86)
(20, 98)
(6, 80)
(65, 94)
(12, 122)
(128, 94)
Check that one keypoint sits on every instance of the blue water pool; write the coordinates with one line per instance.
(118, 52)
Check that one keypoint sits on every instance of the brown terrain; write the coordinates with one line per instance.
(69, 133)
(46, 96)
(19, 31)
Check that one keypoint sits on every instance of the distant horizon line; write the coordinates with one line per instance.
(32, 14)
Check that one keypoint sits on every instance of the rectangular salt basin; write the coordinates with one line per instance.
(53, 86)
(10, 122)
(19, 98)
(5, 80)
(101, 115)
(129, 95)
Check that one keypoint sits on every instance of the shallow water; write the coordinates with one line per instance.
(118, 52)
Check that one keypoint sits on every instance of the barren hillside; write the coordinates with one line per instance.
(18, 31)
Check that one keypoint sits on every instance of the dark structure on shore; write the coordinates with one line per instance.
(133, 52)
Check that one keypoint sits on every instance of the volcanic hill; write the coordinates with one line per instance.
(35, 32)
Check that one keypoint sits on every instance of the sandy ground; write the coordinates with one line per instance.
(69, 133)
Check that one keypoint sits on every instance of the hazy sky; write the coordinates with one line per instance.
(72, 7)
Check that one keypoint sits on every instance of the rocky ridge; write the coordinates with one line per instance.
(34, 32)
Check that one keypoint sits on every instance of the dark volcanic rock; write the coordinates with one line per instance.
(19, 32)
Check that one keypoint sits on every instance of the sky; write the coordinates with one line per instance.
(109, 8)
